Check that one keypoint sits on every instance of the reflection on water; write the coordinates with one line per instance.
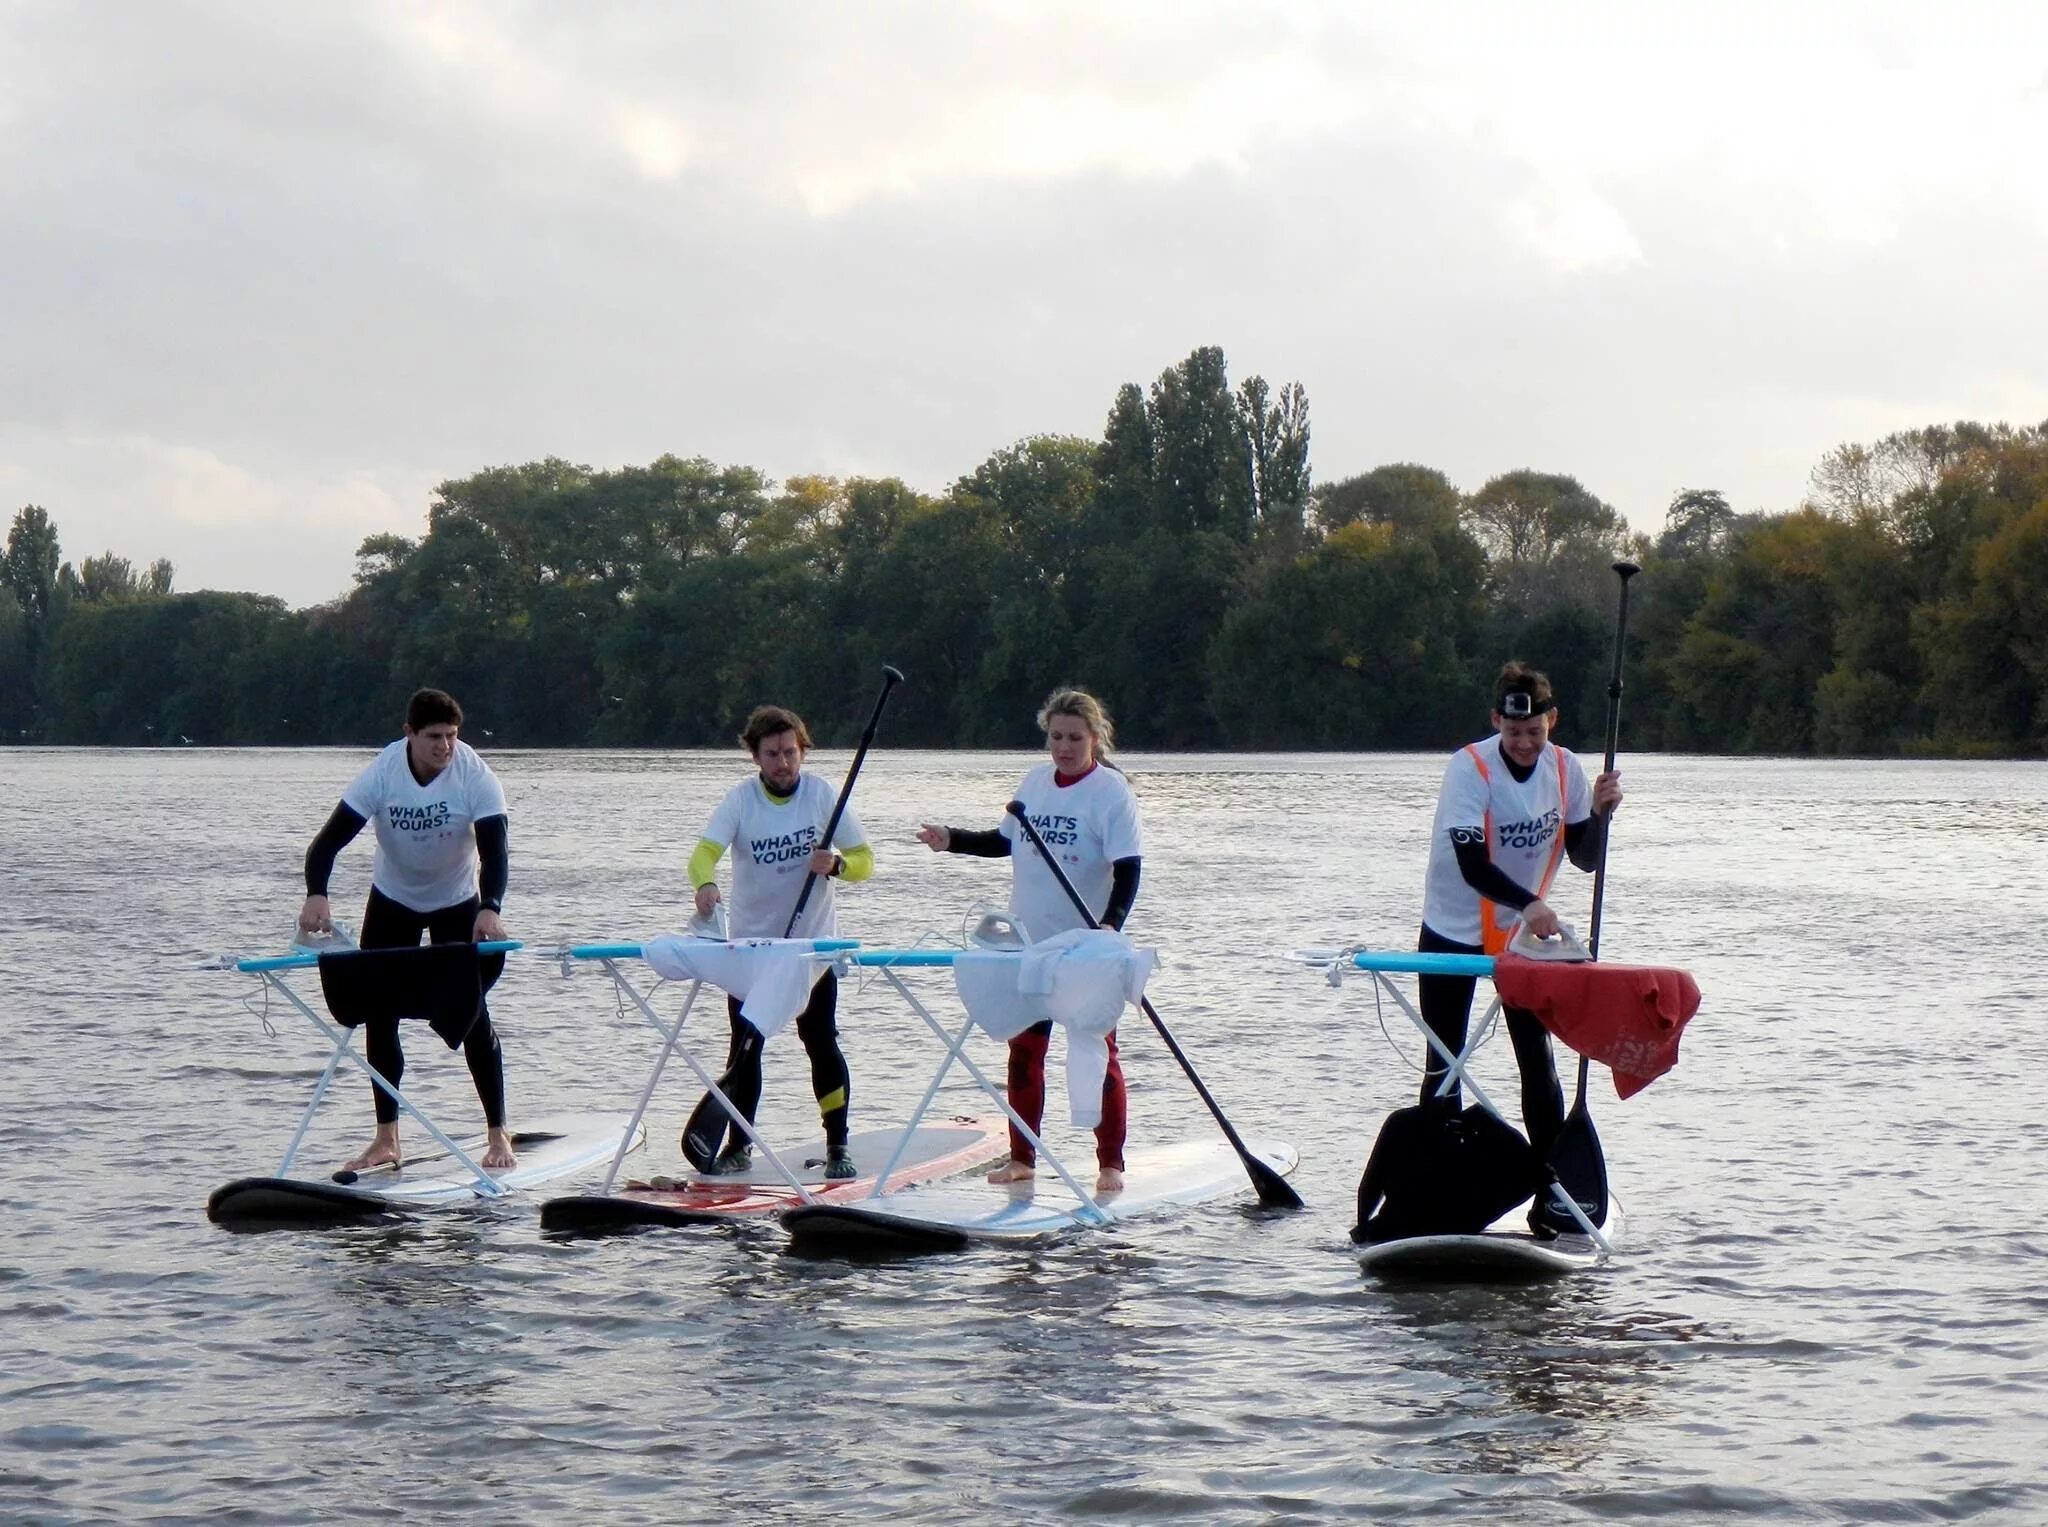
(1532, 1378)
(1809, 1321)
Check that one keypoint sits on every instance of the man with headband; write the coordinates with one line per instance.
(1512, 806)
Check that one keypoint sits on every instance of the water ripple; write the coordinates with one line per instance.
(1829, 1306)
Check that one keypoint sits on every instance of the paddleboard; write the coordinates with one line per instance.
(548, 1148)
(699, 1198)
(954, 1215)
(1504, 1252)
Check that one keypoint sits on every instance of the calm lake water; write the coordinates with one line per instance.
(1832, 1305)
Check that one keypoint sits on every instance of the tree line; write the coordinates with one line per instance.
(1184, 566)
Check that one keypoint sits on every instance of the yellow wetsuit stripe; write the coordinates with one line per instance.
(836, 1098)
(860, 862)
(704, 863)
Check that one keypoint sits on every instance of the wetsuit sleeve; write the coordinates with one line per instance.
(1123, 890)
(1582, 841)
(494, 861)
(704, 863)
(1482, 874)
(856, 863)
(339, 832)
(1584, 828)
(982, 845)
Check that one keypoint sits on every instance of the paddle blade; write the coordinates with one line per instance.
(703, 1133)
(1273, 1189)
(1581, 1168)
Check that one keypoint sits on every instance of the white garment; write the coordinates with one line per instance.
(1080, 979)
(1087, 827)
(771, 845)
(1521, 820)
(772, 977)
(426, 838)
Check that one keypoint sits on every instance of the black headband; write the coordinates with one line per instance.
(1520, 705)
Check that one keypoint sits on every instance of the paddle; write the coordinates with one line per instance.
(1273, 1191)
(705, 1127)
(1576, 1157)
(891, 677)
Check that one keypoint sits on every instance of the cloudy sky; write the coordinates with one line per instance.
(270, 271)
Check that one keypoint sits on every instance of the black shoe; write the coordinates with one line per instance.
(1545, 1224)
(736, 1159)
(839, 1165)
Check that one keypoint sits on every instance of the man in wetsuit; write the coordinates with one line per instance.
(775, 820)
(441, 867)
(1511, 807)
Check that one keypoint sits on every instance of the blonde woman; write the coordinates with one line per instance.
(1083, 807)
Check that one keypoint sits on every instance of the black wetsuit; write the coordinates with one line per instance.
(390, 924)
(831, 1083)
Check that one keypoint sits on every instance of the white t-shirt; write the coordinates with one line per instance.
(426, 834)
(1522, 820)
(771, 847)
(1087, 826)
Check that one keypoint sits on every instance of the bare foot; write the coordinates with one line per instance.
(1013, 1171)
(1109, 1180)
(381, 1151)
(498, 1154)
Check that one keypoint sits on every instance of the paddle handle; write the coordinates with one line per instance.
(891, 677)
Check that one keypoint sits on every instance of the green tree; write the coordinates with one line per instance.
(1156, 607)
(1548, 541)
(32, 561)
(17, 676)
(942, 569)
(107, 577)
(1356, 645)
(185, 667)
(1410, 499)
(1202, 471)
(1126, 472)
(1698, 522)
(1987, 651)
(1754, 652)
(1275, 433)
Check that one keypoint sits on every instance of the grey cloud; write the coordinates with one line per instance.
(301, 241)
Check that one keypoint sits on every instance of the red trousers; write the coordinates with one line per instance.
(1027, 1096)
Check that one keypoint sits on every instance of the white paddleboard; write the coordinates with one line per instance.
(1505, 1251)
(951, 1215)
(548, 1148)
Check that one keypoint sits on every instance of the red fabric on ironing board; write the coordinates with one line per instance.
(1627, 1017)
